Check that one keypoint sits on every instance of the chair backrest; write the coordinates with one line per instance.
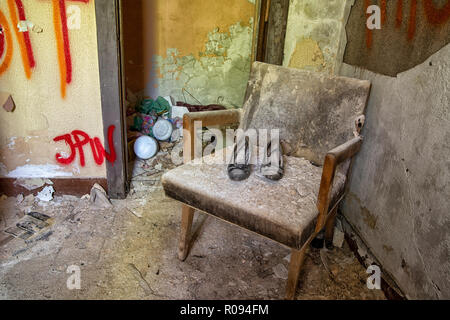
(314, 112)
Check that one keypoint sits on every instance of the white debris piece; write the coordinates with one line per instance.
(338, 238)
(20, 198)
(46, 194)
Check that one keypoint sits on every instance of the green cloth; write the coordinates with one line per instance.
(156, 107)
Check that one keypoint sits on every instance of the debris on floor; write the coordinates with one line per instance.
(129, 251)
(31, 225)
(98, 197)
(160, 120)
(46, 194)
(339, 235)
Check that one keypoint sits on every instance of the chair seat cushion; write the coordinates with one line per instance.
(284, 211)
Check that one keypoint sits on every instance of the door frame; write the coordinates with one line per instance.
(108, 21)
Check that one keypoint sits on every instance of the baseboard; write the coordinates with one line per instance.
(356, 243)
(62, 186)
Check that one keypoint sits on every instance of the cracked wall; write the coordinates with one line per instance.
(201, 46)
(400, 184)
(315, 35)
(399, 192)
(400, 187)
(410, 32)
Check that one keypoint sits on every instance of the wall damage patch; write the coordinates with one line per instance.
(218, 75)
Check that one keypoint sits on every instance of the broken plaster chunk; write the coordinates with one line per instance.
(46, 194)
(20, 198)
(99, 198)
(29, 199)
(338, 238)
(7, 102)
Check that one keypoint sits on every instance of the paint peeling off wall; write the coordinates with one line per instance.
(202, 46)
(220, 73)
(400, 187)
(37, 171)
(315, 36)
(410, 32)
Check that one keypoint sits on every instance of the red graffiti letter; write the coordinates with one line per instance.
(68, 139)
(80, 143)
(99, 152)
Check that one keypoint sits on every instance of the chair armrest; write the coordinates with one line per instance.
(194, 120)
(332, 159)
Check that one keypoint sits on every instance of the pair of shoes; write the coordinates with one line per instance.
(241, 171)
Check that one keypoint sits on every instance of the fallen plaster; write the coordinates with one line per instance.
(122, 256)
(46, 194)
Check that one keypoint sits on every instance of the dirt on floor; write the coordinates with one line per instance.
(129, 251)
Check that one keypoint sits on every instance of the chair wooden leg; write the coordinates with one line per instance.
(297, 258)
(329, 228)
(186, 224)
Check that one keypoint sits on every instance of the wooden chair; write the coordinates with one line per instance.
(320, 118)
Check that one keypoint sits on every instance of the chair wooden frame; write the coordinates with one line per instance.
(325, 217)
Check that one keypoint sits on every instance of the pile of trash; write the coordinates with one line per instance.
(154, 122)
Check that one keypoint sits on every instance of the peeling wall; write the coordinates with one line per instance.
(50, 100)
(399, 192)
(398, 201)
(201, 46)
(410, 32)
(400, 187)
(315, 36)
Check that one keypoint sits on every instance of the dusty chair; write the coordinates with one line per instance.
(316, 115)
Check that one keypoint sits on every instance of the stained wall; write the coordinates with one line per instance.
(51, 72)
(201, 46)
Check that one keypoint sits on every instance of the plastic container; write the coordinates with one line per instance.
(146, 147)
(162, 130)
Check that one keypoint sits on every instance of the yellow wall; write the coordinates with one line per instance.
(203, 46)
(41, 114)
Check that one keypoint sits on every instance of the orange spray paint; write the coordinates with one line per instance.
(20, 38)
(8, 50)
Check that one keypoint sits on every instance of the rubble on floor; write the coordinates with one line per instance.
(129, 251)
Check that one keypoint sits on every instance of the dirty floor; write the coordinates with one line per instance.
(129, 252)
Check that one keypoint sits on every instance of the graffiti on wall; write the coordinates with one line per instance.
(62, 42)
(6, 48)
(433, 15)
(77, 139)
(17, 15)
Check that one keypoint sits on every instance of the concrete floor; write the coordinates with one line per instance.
(129, 252)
